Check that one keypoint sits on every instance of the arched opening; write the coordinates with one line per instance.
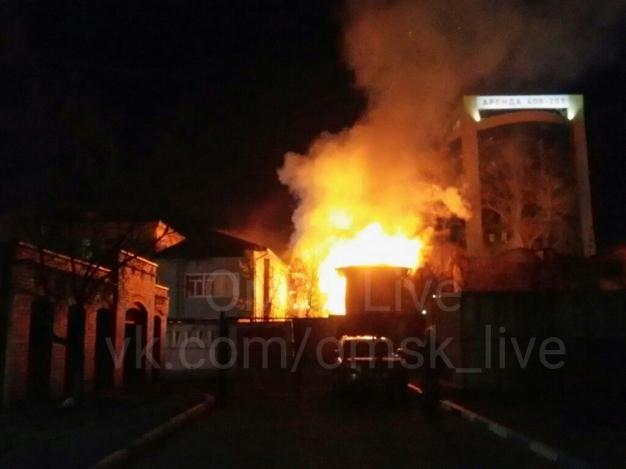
(135, 329)
(156, 349)
(75, 349)
(40, 348)
(103, 365)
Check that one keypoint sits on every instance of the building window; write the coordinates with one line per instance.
(221, 284)
(194, 286)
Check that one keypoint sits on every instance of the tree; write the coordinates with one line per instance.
(305, 296)
(555, 198)
(268, 274)
(441, 262)
(506, 189)
(528, 191)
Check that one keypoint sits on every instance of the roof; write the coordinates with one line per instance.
(212, 244)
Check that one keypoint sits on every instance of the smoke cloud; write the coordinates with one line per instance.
(414, 60)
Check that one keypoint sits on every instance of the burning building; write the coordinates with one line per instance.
(521, 166)
(375, 288)
(524, 162)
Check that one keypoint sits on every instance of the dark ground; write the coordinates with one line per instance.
(262, 423)
(588, 423)
(265, 420)
(46, 435)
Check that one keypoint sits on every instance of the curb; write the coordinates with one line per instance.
(561, 458)
(136, 446)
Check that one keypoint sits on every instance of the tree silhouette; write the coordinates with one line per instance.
(530, 189)
(306, 298)
(252, 269)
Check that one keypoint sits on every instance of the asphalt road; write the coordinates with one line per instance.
(267, 425)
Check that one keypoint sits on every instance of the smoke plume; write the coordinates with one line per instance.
(414, 60)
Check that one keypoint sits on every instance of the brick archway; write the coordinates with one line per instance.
(40, 348)
(157, 349)
(103, 360)
(135, 336)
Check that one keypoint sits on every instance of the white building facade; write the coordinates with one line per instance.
(525, 170)
(219, 276)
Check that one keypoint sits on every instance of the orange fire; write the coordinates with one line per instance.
(362, 200)
(370, 246)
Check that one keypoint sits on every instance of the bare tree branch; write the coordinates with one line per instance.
(530, 193)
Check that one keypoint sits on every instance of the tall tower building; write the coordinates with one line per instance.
(524, 166)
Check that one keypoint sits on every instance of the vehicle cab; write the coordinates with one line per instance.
(369, 361)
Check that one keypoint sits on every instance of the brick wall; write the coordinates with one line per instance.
(137, 288)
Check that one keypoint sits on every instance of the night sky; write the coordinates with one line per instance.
(190, 106)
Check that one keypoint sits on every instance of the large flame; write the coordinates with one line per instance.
(371, 246)
(357, 209)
